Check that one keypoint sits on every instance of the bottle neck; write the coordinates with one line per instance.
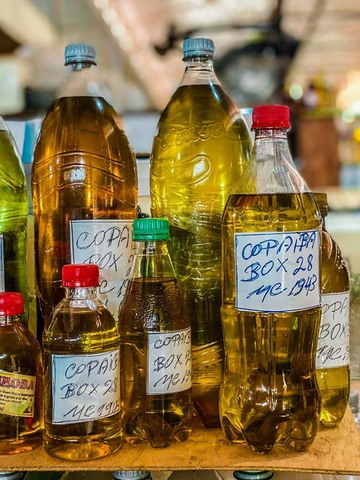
(81, 82)
(152, 260)
(9, 319)
(199, 70)
(80, 293)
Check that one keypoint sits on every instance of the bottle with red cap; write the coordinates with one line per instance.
(271, 297)
(82, 371)
(21, 380)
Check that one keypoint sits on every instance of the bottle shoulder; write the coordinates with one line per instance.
(335, 276)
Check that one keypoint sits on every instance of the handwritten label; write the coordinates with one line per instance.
(169, 362)
(277, 271)
(108, 244)
(2, 264)
(85, 387)
(17, 394)
(334, 335)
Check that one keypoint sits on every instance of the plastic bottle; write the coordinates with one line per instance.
(84, 189)
(13, 217)
(21, 380)
(12, 475)
(201, 147)
(268, 474)
(82, 372)
(271, 297)
(155, 352)
(332, 361)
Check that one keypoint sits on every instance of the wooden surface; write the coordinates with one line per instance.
(334, 450)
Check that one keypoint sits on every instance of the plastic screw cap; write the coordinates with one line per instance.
(271, 116)
(11, 303)
(253, 474)
(147, 229)
(80, 275)
(79, 52)
(198, 46)
(131, 474)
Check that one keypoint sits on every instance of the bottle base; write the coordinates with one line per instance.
(9, 447)
(75, 450)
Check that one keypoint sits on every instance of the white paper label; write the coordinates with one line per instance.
(169, 362)
(108, 244)
(85, 387)
(334, 336)
(277, 271)
(2, 264)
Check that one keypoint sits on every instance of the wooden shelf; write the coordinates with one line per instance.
(334, 450)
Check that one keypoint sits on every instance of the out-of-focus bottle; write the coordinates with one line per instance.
(268, 474)
(21, 380)
(84, 189)
(82, 372)
(271, 297)
(155, 351)
(13, 217)
(332, 361)
(12, 475)
(200, 149)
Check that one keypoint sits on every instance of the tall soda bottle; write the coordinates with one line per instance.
(13, 217)
(271, 297)
(201, 147)
(332, 361)
(155, 350)
(82, 372)
(84, 188)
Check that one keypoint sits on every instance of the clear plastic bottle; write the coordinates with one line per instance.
(13, 217)
(332, 361)
(155, 352)
(271, 297)
(201, 147)
(21, 380)
(82, 372)
(84, 190)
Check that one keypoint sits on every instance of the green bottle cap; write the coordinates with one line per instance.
(147, 229)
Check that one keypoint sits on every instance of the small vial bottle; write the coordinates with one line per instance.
(21, 384)
(82, 371)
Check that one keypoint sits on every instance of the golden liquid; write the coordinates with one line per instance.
(21, 353)
(334, 383)
(151, 305)
(77, 331)
(269, 394)
(83, 169)
(199, 153)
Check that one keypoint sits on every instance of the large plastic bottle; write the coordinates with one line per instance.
(200, 149)
(13, 217)
(332, 361)
(271, 297)
(84, 188)
(155, 350)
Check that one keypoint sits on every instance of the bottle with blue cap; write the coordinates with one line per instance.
(155, 348)
(84, 189)
(200, 150)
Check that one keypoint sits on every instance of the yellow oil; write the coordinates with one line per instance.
(199, 153)
(269, 395)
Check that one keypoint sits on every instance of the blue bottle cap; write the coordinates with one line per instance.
(79, 53)
(198, 46)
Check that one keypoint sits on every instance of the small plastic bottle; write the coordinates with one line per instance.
(82, 371)
(200, 150)
(21, 380)
(13, 218)
(155, 352)
(332, 360)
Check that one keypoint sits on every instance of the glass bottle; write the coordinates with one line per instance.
(84, 189)
(271, 297)
(332, 361)
(13, 217)
(155, 351)
(82, 372)
(21, 380)
(201, 147)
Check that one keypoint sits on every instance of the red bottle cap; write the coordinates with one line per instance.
(80, 275)
(271, 116)
(11, 303)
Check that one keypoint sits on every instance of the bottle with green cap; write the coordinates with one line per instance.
(199, 151)
(155, 348)
(84, 189)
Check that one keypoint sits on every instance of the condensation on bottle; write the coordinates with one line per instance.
(82, 372)
(155, 351)
(84, 190)
(271, 297)
(332, 360)
(21, 380)
(201, 147)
